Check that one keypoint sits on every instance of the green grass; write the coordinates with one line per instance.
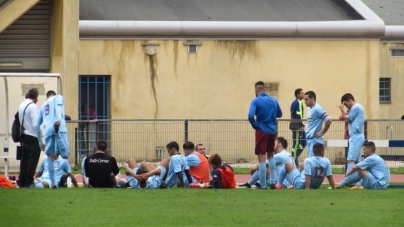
(203, 207)
(393, 170)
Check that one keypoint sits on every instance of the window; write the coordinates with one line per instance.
(94, 103)
(384, 89)
(192, 49)
(397, 52)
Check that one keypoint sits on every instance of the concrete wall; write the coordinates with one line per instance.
(392, 68)
(218, 81)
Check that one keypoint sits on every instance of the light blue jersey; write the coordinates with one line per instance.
(61, 167)
(357, 119)
(192, 160)
(315, 117)
(51, 111)
(154, 182)
(316, 167)
(177, 164)
(375, 165)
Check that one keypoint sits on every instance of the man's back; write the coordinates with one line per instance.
(99, 167)
(266, 109)
(198, 167)
(357, 117)
(51, 111)
(31, 114)
(177, 164)
(377, 167)
(317, 168)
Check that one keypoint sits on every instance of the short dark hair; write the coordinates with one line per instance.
(33, 93)
(174, 145)
(346, 97)
(297, 91)
(200, 144)
(188, 146)
(318, 148)
(215, 159)
(102, 145)
(282, 141)
(50, 93)
(402, 117)
(260, 83)
(311, 94)
(26, 97)
(371, 145)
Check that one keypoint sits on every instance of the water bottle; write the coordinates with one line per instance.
(69, 182)
(5, 145)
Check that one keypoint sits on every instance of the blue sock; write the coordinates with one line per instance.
(262, 174)
(254, 178)
(353, 178)
(272, 169)
(51, 169)
(282, 175)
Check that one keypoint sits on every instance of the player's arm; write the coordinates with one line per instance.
(40, 171)
(308, 181)
(188, 175)
(352, 170)
(180, 179)
(216, 179)
(253, 169)
(279, 111)
(38, 123)
(251, 114)
(294, 108)
(38, 174)
(331, 181)
(74, 181)
(344, 116)
(59, 108)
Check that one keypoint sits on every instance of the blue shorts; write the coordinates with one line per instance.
(310, 144)
(154, 182)
(370, 182)
(355, 147)
(297, 179)
(133, 182)
(57, 145)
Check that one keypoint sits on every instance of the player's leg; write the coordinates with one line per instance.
(51, 152)
(147, 166)
(283, 172)
(354, 154)
(261, 140)
(63, 145)
(368, 180)
(271, 160)
(310, 144)
(295, 139)
(301, 146)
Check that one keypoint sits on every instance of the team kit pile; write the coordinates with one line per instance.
(277, 168)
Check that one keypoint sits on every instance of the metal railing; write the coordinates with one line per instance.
(232, 139)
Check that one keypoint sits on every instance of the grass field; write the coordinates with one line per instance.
(200, 207)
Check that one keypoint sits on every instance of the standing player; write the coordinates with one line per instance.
(356, 121)
(177, 167)
(315, 117)
(316, 168)
(373, 170)
(266, 109)
(281, 157)
(52, 115)
(297, 126)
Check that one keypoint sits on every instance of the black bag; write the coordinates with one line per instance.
(17, 129)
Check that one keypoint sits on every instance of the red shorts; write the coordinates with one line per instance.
(264, 142)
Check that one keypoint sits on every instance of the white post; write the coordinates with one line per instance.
(7, 130)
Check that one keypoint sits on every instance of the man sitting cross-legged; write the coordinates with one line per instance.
(145, 175)
(316, 168)
(372, 170)
(60, 166)
(280, 157)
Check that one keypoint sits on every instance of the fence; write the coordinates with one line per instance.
(232, 139)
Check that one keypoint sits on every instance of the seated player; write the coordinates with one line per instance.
(197, 163)
(101, 168)
(223, 175)
(200, 148)
(373, 171)
(61, 166)
(281, 157)
(145, 175)
(316, 168)
(178, 170)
